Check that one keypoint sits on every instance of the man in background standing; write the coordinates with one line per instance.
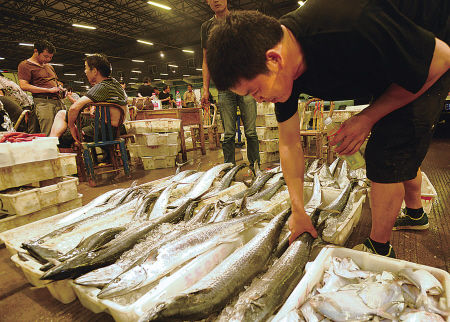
(189, 97)
(228, 101)
(146, 89)
(37, 76)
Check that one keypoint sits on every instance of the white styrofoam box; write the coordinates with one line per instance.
(151, 139)
(153, 126)
(23, 174)
(267, 120)
(25, 200)
(427, 197)
(366, 261)
(264, 157)
(13, 234)
(6, 157)
(267, 133)
(159, 162)
(268, 145)
(153, 151)
(265, 108)
(39, 149)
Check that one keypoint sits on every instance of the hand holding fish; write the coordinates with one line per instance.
(300, 223)
(352, 134)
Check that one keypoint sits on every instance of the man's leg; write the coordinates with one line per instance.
(413, 190)
(59, 124)
(227, 108)
(45, 112)
(247, 106)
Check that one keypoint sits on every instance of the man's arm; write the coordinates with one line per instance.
(206, 79)
(26, 86)
(292, 163)
(355, 130)
(74, 110)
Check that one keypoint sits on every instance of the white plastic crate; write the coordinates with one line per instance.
(366, 261)
(162, 125)
(154, 150)
(268, 145)
(267, 120)
(25, 200)
(264, 157)
(267, 133)
(152, 139)
(160, 162)
(265, 108)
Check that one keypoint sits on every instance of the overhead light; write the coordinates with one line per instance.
(301, 3)
(172, 65)
(156, 78)
(199, 69)
(145, 42)
(164, 74)
(131, 83)
(137, 61)
(134, 78)
(26, 44)
(89, 54)
(69, 74)
(188, 51)
(173, 71)
(136, 71)
(162, 55)
(83, 26)
(56, 64)
(186, 75)
(1, 58)
(156, 4)
(78, 82)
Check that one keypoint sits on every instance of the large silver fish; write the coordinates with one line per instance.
(226, 180)
(212, 292)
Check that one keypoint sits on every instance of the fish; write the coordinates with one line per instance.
(190, 211)
(316, 198)
(259, 182)
(202, 214)
(423, 280)
(160, 206)
(309, 174)
(213, 291)
(335, 207)
(333, 166)
(171, 255)
(420, 316)
(144, 205)
(342, 178)
(325, 177)
(176, 178)
(226, 180)
(225, 213)
(269, 192)
(268, 292)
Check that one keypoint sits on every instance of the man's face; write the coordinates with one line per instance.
(167, 89)
(90, 73)
(190, 88)
(45, 57)
(217, 5)
(271, 87)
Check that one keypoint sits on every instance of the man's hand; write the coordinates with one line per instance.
(205, 97)
(74, 132)
(352, 134)
(300, 223)
(54, 90)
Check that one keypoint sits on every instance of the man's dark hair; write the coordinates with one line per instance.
(100, 62)
(42, 45)
(189, 85)
(165, 87)
(236, 47)
(147, 80)
(155, 89)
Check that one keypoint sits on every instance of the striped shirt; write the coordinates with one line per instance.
(108, 90)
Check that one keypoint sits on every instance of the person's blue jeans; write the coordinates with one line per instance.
(228, 102)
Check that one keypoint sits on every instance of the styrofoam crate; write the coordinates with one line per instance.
(153, 151)
(151, 139)
(39, 149)
(151, 163)
(265, 108)
(427, 197)
(366, 261)
(264, 157)
(23, 201)
(153, 126)
(23, 174)
(6, 157)
(267, 133)
(268, 145)
(267, 120)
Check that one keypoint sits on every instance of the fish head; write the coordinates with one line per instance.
(124, 283)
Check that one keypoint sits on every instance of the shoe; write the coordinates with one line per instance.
(405, 221)
(368, 248)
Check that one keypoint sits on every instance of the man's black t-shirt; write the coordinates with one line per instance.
(205, 29)
(145, 90)
(162, 96)
(356, 48)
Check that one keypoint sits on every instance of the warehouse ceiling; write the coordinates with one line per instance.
(119, 24)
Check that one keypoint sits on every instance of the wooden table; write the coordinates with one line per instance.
(188, 116)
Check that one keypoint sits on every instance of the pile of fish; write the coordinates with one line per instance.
(184, 249)
(347, 293)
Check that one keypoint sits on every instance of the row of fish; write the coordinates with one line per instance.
(347, 293)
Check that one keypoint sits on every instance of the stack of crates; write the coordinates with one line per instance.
(267, 131)
(157, 142)
(36, 188)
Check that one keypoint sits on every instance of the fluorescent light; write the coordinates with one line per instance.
(162, 55)
(56, 64)
(137, 61)
(199, 69)
(78, 82)
(301, 3)
(131, 83)
(136, 71)
(156, 78)
(186, 75)
(173, 71)
(1, 58)
(83, 26)
(25, 44)
(88, 54)
(145, 42)
(188, 51)
(134, 78)
(69, 74)
(156, 4)
(164, 74)
(172, 65)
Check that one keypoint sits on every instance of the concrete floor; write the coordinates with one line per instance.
(19, 301)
